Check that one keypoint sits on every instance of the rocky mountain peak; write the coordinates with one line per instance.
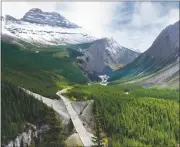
(35, 10)
(106, 39)
(36, 15)
(10, 18)
(105, 55)
(111, 42)
(167, 43)
(173, 31)
(2, 17)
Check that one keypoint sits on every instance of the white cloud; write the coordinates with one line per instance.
(172, 16)
(146, 13)
(132, 24)
(148, 20)
(93, 16)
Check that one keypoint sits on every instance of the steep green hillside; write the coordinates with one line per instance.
(19, 109)
(141, 66)
(44, 72)
(144, 117)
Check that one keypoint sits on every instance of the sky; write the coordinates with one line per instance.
(133, 25)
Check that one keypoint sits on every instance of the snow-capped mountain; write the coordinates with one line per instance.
(163, 52)
(106, 54)
(45, 28)
(37, 16)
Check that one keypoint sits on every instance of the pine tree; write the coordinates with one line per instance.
(98, 139)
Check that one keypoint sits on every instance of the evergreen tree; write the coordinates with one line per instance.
(144, 117)
(97, 139)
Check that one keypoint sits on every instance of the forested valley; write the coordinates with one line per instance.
(137, 118)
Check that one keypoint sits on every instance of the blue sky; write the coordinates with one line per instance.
(132, 24)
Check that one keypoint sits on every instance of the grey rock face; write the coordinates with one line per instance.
(166, 44)
(105, 52)
(10, 18)
(36, 15)
(26, 137)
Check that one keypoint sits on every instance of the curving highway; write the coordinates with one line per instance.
(81, 130)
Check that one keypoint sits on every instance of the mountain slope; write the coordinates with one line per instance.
(105, 55)
(49, 29)
(164, 51)
(44, 28)
(44, 71)
(22, 111)
(168, 76)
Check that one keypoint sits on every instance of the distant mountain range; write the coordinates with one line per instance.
(98, 56)
(50, 28)
(163, 53)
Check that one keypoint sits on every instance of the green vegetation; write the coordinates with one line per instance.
(82, 46)
(50, 48)
(19, 109)
(170, 94)
(42, 72)
(143, 117)
(98, 139)
(142, 64)
(38, 81)
(116, 67)
(129, 115)
(55, 136)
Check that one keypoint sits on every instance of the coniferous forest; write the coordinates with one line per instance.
(19, 109)
(143, 117)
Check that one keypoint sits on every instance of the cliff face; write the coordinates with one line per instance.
(27, 138)
(104, 54)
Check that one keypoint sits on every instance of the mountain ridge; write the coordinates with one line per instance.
(163, 51)
(36, 15)
(45, 28)
(104, 54)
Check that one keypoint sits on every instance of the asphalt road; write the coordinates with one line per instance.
(81, 130)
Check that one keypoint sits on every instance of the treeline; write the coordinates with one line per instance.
(171, 94)
(19, 108)
(134, 119)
